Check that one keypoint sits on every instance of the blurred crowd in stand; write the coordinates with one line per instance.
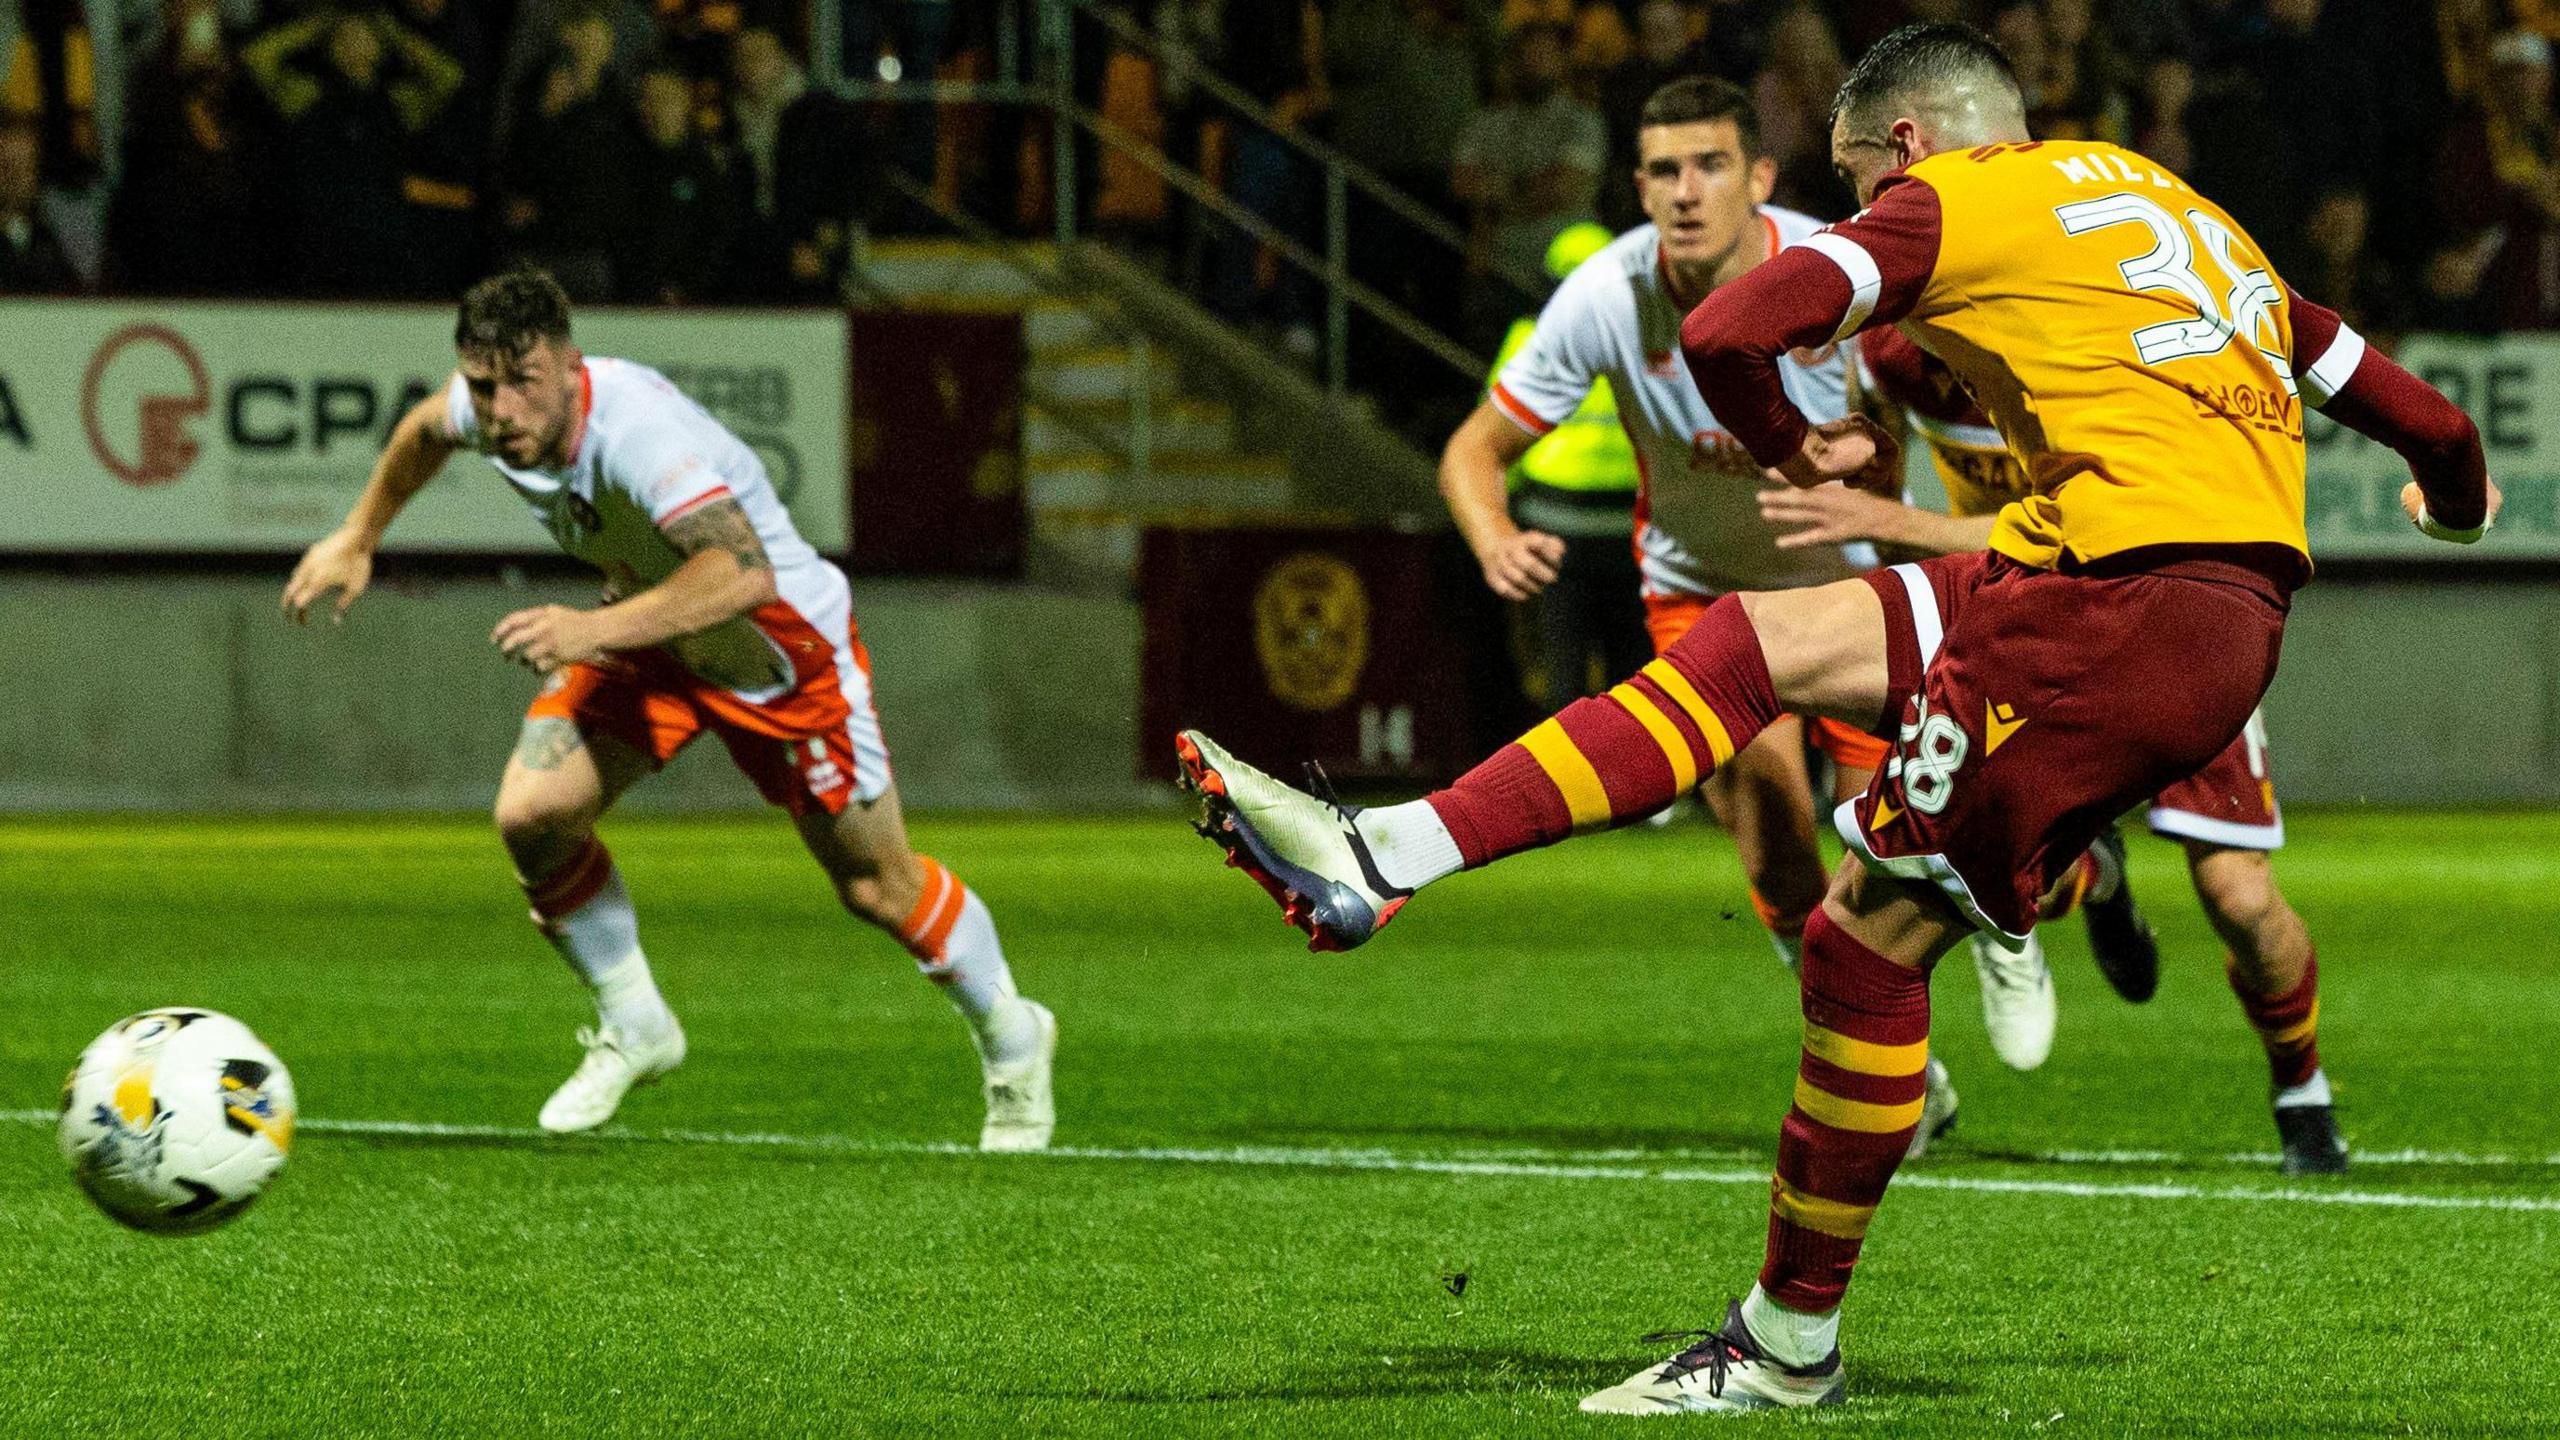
(645, 150)
(2397, 158)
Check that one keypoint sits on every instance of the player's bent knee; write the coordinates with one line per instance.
(529, 820)
(880, 891)
(1825, 647)
(2238, 887)
(1907, 923)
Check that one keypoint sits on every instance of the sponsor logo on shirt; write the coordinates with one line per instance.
(1717, 453)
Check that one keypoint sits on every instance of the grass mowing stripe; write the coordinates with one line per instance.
(1302, 1158)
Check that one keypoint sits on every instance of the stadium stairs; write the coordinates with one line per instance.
(1229, 434)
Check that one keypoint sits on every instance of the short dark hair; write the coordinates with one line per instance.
(1921, 58)
(508, 314)
(1693, 98)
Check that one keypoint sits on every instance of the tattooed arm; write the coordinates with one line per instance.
(725, 574)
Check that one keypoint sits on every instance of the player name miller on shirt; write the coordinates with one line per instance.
(2099, 169)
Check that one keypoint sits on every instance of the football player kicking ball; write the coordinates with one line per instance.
(2114, 638)
(1705, 185)
(2225, 815)
(719, 618)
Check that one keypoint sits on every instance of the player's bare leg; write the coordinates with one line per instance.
(1339, 873)
(1859, 1099)
(556, 785)
(1862, 1091)
(2275, 973)
(2019, 1008)
(1764, 799)
(946, 927)
(2120, 939)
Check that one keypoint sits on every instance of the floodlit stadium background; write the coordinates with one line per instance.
(1109, 346)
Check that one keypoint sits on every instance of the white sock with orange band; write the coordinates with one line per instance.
(586, 914)
(954, 941)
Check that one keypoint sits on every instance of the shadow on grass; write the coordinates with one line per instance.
(1489, 1371)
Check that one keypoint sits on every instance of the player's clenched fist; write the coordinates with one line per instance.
(1522, 563)
(1855, 450)
(2414, 500)
(546, 638)
(342, 562)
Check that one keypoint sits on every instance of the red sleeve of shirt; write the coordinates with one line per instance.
(1910, 377)
(2366, 391)
(1866, 270)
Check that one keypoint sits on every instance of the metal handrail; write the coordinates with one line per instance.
(1138, 447)
(1467, 363)
(1129, 32)
(1052, 88)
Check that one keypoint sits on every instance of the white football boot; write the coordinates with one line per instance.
(1304, 851)
(2017, 1001)
(1021, 1113)
(615, 1062)
(1724, 1373)
(1937, 1110)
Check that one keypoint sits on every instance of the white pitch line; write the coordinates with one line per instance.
(1316, 1158)
(2449, 1159)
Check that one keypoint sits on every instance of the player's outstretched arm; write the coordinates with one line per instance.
(1866, 270)
(725, 574)
(1838, 515)
(343, 561)
(1517, 563)
(2450, 495)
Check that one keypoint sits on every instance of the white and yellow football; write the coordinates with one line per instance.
(174, 1120)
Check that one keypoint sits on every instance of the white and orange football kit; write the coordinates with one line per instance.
(1698, 531)
(787, 688)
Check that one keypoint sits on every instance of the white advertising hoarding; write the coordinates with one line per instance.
(2510, 386)
(216, 427)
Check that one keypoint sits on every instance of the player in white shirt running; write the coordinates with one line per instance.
(1699, 532)
(718, 618)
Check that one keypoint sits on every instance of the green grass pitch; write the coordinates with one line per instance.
(1562, 1079)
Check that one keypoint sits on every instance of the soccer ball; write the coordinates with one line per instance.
(175, 1120)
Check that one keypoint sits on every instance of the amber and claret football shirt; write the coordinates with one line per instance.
(2123, 334)
(1972, 460)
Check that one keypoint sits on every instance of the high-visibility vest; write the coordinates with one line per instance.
(1589, 452)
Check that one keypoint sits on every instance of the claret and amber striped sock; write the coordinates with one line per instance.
(1858, 1095)
(2287, 1024)
(1613, 759)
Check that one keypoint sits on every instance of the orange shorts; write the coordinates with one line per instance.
(1669, 617)
(812, 749)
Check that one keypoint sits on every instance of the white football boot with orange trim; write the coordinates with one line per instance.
(1304, 851)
